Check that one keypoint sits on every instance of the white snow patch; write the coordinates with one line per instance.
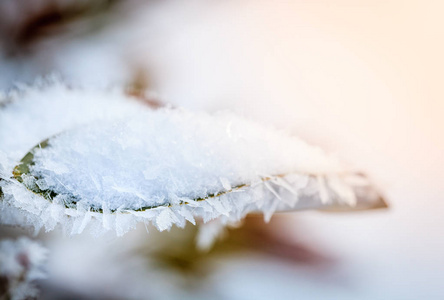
(110, 158)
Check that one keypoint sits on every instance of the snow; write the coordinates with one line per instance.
(168, 156)
(113, 162)
(30, 114)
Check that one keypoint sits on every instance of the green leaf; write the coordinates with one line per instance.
(24, 168)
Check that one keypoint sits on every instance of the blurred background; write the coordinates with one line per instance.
(363, 79)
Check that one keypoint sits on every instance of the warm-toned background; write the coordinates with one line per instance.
(363, 79)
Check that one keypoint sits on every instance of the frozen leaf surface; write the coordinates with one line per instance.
(167, 166)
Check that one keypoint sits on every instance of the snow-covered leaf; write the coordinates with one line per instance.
(125, 160)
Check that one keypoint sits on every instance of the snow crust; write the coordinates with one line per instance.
(111, 159)
(30, 114)
(168, 156)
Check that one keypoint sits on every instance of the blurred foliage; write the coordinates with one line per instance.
(24, 23)
(176, 250)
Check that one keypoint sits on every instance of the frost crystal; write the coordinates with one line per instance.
(111, 163)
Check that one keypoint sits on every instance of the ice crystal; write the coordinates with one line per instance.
(109, 163)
